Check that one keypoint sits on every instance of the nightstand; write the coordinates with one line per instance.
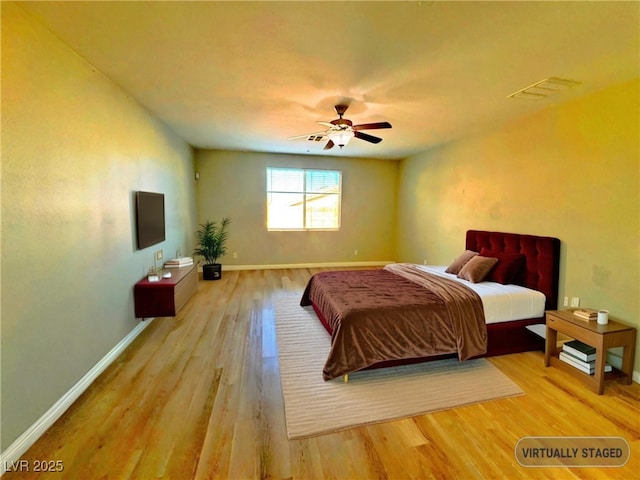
(602, 337)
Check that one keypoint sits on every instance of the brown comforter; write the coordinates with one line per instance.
(399, 312)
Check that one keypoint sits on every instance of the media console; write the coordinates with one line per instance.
(165, 297)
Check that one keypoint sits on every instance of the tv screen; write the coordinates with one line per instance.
(149, 218)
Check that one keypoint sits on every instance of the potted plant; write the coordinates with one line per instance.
(211, 239)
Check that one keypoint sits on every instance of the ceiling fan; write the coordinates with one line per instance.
(341, 130)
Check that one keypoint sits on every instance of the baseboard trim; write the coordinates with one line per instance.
(13, 453)
(378, 263)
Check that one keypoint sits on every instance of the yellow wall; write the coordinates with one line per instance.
(74, 149)
(570, 172)
(234, 184)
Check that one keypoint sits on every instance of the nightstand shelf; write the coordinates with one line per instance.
(165, 297)
(602, 337)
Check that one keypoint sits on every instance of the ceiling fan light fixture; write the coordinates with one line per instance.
(342, 130)
(341, 138)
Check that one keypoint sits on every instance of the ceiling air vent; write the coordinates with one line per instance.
(544, 88)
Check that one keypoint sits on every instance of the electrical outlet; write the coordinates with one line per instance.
(235, 255)
(575, 302)
(355, 252)
(159, 255)
(566, 301)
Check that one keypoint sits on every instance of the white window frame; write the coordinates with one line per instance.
(306, 194)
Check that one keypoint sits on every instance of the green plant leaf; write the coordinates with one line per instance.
(211, 240)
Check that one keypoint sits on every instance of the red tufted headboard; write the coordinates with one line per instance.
(542, 258)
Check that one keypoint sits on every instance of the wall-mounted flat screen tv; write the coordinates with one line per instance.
(149, 218)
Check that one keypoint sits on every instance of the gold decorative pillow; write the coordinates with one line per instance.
(476, 269)
(459, 262)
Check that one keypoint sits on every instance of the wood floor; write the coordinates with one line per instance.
(198, 396)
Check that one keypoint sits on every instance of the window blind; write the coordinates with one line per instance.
(303, 199)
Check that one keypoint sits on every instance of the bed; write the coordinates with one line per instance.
(405, 313)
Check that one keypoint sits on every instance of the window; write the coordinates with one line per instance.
(303, 199)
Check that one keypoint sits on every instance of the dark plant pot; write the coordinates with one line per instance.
(212, 271)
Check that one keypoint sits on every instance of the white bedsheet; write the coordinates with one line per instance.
(501, 303)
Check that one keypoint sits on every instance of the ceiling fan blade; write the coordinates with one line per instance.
(366, 137)
(329, 145)
(326, 124)
(372, 126)
(316, 134)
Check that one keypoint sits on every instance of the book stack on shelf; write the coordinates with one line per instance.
(179, 262)
(586, 314)
(581, 356)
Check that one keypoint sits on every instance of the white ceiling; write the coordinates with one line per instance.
(248, 75)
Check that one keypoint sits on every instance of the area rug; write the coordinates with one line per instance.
(315, 407)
